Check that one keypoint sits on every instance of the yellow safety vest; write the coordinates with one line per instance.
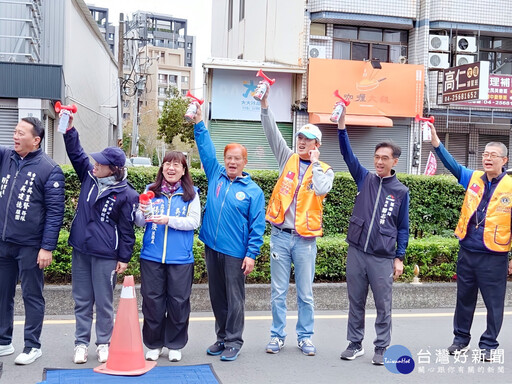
(497, 234)
(309, 207)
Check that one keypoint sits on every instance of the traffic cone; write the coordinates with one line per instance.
(126, 353)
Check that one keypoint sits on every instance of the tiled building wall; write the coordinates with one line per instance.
(495, 12)
(397, 8)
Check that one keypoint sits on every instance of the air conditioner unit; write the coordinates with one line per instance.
(438, 43)
(438, 60)
(464, 59)
(316, 52)
(466, 44)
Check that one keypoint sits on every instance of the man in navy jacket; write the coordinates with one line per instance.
(31, 214)
(378, 234)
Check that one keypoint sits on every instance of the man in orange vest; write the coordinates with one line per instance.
(485, 239)
(295, 212)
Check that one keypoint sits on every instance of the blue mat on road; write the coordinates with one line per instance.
(187, 374)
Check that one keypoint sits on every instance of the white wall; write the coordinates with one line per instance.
(90, 76)
(272, 31)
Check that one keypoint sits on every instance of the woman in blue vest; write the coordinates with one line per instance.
(166, 258)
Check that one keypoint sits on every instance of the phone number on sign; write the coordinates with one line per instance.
(460, 97)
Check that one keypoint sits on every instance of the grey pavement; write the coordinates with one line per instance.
(423, 331)
(422, 321)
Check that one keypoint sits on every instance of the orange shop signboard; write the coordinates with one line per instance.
(393, 90)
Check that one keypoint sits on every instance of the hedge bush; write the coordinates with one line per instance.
(435, 256)
(434, 210)
(434, 206)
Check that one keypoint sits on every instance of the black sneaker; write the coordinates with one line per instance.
(455, 347)
(353, 350)
(485, 355)
(378, 357)
(215, 349)
(230, 354)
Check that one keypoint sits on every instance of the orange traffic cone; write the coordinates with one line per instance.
(126, 354)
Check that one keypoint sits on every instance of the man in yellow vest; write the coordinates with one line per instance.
(295, 212)
(485, 239)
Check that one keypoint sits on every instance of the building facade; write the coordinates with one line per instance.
(53, 51)
(385, 47)
(158, 55)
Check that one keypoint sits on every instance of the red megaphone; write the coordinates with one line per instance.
(337, 94)
(59, 107)
(261, 74)
(430, 119)
(194, 98)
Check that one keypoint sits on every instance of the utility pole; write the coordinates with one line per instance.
(120, 78)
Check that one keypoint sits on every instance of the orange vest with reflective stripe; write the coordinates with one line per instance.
(309, 207)
(497, 234)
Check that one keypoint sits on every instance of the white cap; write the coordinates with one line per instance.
(311, 131)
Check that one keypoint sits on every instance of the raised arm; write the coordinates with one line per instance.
(275, 139)
(76, 153)
(462, 173)
(205, 145)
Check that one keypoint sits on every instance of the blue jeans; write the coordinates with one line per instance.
(285, 249)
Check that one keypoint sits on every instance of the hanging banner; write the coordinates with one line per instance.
(431, 166)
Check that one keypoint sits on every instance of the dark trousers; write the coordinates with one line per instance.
(19, 261)
(165, 290)
(489, 274)
(226, 283)
(365, 270)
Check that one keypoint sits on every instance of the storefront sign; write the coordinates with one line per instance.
(500, 93)
(232, 95)
(466, 82)
(393, 90)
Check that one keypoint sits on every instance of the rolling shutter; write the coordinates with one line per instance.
(8, 121)
(363, 141)
(456, 143)
(251, 135)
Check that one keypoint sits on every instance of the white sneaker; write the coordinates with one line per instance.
(80, 356)
(6, 349)
(174, 355)
(102, 352)
(153, 354)
(29, 357)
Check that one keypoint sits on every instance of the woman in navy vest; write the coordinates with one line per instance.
(166, 258)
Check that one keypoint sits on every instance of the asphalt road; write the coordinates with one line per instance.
(424, 332)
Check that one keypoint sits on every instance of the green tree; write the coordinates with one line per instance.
(172, 122)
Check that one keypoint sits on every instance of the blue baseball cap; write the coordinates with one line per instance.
(110, 156)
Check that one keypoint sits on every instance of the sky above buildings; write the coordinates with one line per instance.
(197, 12)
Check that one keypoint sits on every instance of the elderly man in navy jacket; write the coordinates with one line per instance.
(31, 214)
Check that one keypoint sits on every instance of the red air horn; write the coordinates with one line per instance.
(267, 79)
(430, 119)
(59, 107)
(337, 94)
(338, 107)
(194, 98)
(262, 87)
(192, 107)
